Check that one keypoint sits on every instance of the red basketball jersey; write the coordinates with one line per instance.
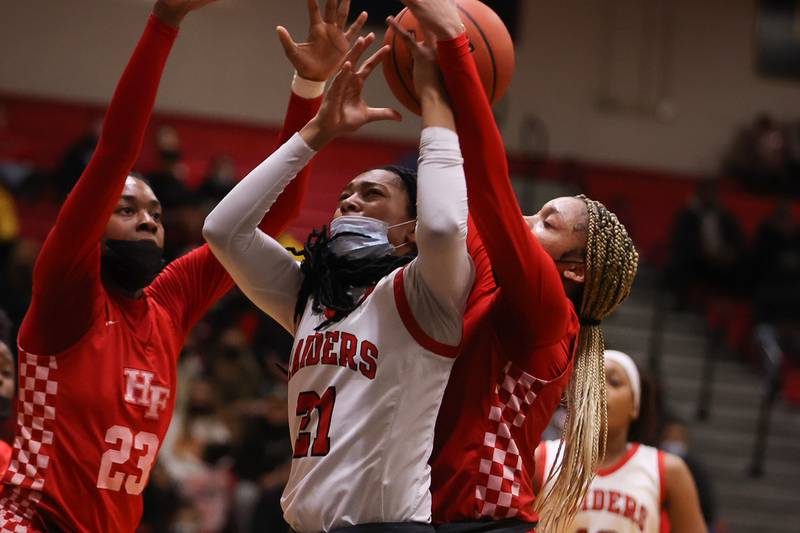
(520, 331)
(90, 420)
(92, 413)
(492, 415)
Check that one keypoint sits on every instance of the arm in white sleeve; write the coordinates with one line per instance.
(440, 278)
(267, 274)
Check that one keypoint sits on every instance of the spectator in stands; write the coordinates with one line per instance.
(8, 374)
(9, 225)
(168, 180)
(675, 440)
(262, 461)
(198, 462)
(707, 247)
(760, 156)
(16, 277)
(220, 179)
(77, 157)
(777, 266)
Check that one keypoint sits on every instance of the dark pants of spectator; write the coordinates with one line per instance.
(495, 526)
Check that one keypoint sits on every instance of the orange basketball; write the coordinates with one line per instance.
(491, 46)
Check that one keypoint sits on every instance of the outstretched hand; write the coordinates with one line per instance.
(344, 109)
(172, 12)
(327, 44)
(437, 16)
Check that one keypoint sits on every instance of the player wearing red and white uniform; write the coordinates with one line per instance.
(521, 328)
(367, 375)
(638, 488)
(626, 497)
(100, 343)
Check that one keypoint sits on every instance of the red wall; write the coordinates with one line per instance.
(647, 201)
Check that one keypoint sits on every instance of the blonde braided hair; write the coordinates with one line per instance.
(611, 263)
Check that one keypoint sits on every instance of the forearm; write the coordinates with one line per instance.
(520, 264)
(259, 265)
(66, 274)
(443, 261)
(304, 103)
(236, 217)
(83, 218)
(436, 111)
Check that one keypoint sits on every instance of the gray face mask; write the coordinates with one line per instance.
(356, 237)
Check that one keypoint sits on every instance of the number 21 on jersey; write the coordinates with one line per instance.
(307, 403)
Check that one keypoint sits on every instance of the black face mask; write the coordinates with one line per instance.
(170, 155)
(5, 407)
(132, 264)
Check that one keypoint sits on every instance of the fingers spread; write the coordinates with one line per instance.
(330, 11)
(361, 44)
(313, 12)
(373, 61)
(342, 12)
(289, 46)
(356, 26)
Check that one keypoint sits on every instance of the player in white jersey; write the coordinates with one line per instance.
(638, 488)
(376, 309)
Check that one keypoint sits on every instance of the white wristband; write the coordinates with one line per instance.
(308, 89)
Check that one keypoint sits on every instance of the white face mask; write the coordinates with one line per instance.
(362, 237)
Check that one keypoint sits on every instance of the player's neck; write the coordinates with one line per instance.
(616, 448)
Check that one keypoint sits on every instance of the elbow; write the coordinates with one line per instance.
(443, 232)
(213, 232)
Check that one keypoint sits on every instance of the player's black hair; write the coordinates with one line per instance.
(140, 177)
(328, 279)
(645, 429)
(409, 179)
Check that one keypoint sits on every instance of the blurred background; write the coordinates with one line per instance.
(682, 116)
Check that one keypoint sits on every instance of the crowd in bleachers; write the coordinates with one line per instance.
(225, 460)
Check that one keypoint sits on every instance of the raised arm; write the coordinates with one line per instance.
(66, 279)
(532, 292)
(261, 267)
(193, 283)
(315, 61)
(438, 282)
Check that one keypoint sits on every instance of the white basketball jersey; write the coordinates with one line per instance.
(364, 393)
(625, 498)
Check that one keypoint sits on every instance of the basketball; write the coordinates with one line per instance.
(491, 46)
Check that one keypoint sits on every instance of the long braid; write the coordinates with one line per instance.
(611, 263)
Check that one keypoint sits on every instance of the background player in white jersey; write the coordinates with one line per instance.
(638, 488)
(376, 309)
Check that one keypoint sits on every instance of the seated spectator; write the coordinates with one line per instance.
(197, 461)
(707, 247)
(220, 179)
(777, 267)
(675, 440)
(760, 156)
(77, 157)
(8, 375)
(9, 224)
(168, 180)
